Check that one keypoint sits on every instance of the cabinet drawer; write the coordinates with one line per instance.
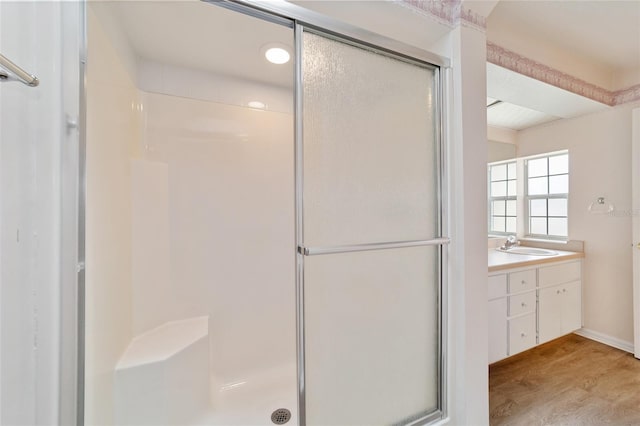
(522, 281)
(558, 274)
(522, 303)
(522, 333)
(497, 286)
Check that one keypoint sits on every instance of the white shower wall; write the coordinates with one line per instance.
(113, 129)
(190, 213)
(230, 239)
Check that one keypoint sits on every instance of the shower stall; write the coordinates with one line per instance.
(265, 236)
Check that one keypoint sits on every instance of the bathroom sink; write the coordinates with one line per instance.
(531, 251)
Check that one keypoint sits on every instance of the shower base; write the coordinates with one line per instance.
(251, 402)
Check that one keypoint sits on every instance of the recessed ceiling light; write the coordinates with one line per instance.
(277, 55)
(257, 105)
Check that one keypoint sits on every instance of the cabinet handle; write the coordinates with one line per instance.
(564, 290)
(523, 304)
(523, 334)
(523, 282)
(558, 292)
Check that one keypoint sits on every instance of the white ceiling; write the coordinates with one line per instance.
(603, 34)
(188, 33)
(605, 31)
(202, 36)
(528, 102)
(515, 117)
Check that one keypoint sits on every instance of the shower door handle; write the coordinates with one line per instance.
(313, 251)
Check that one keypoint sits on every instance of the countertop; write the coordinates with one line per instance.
(499, 260)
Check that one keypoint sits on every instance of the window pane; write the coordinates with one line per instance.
(559, 184)
(499, 189)
(498, 208)
(511, 188)
(498, 224)
(538, 186)
(511, 167)
(511, 207)
(557, 207)
(499, 172)
(537, 167)
(538, 208)
(559, 164)
(511, 224)
(558, 227)
(538, 225)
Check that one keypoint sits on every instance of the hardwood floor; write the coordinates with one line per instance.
(569, 381)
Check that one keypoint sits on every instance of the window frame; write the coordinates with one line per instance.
(505, 198)
(560, 196)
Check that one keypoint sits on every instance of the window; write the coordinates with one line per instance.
(546, 196)
(502, 198)
(529, 196)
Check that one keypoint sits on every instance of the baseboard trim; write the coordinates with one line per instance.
(606, 339)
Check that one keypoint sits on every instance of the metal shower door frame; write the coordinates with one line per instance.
(364, 41)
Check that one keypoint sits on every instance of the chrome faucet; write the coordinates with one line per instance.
(511, 242)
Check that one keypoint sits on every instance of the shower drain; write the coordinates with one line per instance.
(280, 416)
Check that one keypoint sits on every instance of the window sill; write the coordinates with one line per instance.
(543, 240)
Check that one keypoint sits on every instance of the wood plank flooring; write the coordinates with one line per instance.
(569, 381)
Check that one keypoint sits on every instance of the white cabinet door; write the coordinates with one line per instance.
(559, 310)
(571, 307)
(549, 313)
(497, 329)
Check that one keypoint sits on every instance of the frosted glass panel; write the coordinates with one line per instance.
(512, 170)
(371, 324)
(511, 207)
(511, 224)
(511, 188)
(498, 208)
(369, 146)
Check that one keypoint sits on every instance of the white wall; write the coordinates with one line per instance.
(112, 139)
(599, 151)
(469, 399)
(499, 151)
(35, 151)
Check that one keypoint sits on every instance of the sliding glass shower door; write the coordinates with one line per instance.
(369, 235)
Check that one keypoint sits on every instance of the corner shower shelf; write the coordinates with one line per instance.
(163, 376)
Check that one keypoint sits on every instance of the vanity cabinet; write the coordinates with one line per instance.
(559, 301)
(530, 306)
(498, 314)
